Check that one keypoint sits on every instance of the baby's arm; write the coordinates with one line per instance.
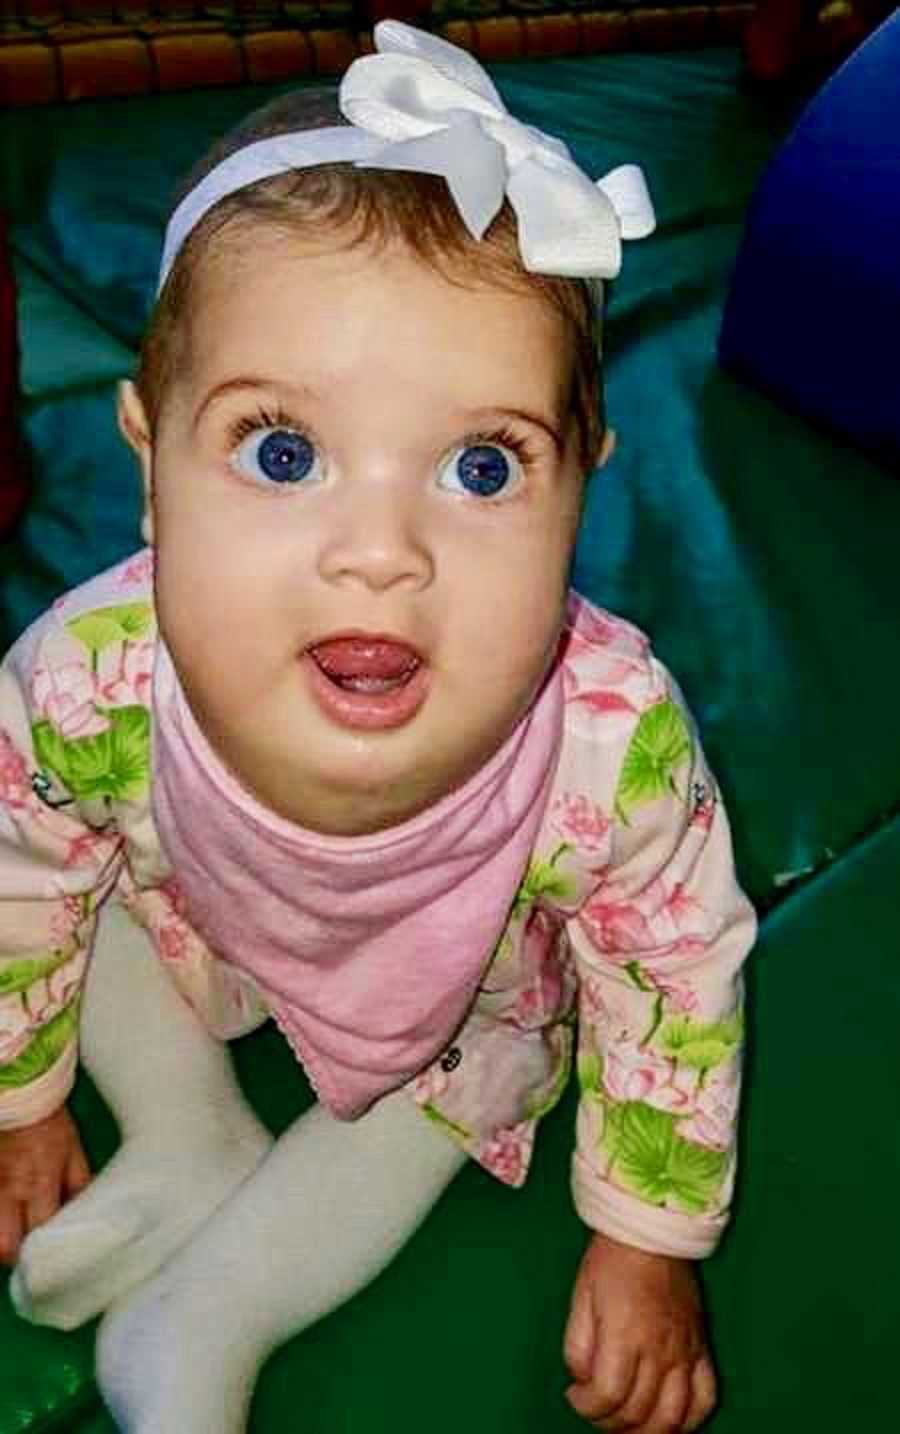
(50, 864)
(658, 949)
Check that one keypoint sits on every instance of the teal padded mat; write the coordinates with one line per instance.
(754, 550)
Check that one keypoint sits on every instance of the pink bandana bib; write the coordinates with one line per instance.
(367, 950)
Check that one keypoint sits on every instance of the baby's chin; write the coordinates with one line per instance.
(346, 793)
(352, 812)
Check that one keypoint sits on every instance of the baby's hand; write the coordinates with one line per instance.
(41, 1166)
(635, 1342)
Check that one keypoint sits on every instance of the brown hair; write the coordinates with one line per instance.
(364, 206)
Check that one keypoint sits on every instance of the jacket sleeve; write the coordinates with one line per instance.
(658, 947)
(59, 857)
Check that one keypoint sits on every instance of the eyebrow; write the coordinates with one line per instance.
(252, 382)
(239, 385)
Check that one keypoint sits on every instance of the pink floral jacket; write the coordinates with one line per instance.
(627, 934)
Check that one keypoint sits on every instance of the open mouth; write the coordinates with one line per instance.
(367, 681)
(366, 665)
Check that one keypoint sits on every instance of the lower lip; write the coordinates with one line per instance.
(366, 711)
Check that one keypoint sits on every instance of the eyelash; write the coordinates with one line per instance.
(523, 448)
(243, 427)
(506, 437)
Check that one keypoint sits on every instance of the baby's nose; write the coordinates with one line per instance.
(378, 542)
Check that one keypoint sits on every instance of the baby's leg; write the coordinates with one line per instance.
(188, 1137)
(323, 1214)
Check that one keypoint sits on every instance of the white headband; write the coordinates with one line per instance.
(423, 104)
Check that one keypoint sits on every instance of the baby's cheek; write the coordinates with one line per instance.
(522, 664)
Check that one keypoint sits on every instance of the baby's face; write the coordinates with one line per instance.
(366, 489)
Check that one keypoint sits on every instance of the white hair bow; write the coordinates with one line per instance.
(441, 114)
(423, 104)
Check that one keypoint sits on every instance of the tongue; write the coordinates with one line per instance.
(362, 657)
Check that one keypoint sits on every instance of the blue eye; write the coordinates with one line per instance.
(278, 455)
(480, 469)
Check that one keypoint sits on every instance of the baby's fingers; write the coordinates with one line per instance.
(78, 1173)
(642, 1399)
(703, 1395)
(11, 1231)
(672, 1404)
(602, 1398)
(578, 1345)
(42, 1203)
(657, 1403)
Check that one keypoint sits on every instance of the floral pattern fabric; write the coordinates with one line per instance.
(622, 952)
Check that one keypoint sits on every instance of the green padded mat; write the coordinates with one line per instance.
(462, 1331)
(761, 557)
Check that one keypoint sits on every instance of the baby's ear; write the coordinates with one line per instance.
(135, 429)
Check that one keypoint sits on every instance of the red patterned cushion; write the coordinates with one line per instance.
(13, 483)
(52, 50)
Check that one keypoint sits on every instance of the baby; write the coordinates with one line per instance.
(340, 748)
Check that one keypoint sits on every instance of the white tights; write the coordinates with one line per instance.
(207, 1244)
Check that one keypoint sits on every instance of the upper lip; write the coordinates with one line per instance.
(358, 635)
